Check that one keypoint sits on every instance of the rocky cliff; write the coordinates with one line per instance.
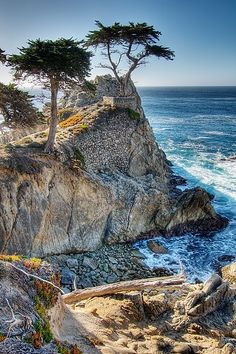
(108, 182)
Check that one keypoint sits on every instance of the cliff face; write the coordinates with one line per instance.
(108, 183)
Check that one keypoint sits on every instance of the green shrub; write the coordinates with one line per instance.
(17, 107)
(133, 114)
(78, 156)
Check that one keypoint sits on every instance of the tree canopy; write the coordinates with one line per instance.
(16, 106)
(2, 56)
(134, 42)
(53, 64)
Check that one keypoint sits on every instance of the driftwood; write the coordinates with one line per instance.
(123, 286)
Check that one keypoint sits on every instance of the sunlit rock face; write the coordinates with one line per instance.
(108, 182)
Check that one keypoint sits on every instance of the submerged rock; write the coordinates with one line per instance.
(156, 247)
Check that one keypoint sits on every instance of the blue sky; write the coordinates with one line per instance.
(201, 32)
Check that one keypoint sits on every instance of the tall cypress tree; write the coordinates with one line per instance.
(53, 64)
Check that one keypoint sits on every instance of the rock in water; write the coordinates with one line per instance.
(156, 248)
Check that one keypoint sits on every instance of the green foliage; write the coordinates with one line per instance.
(42, 325)
(43, 328)
(135, 42)
(78, 156)
(62, 349)
(89, 87)
(16, 106)
(39, 307)
(133, 114)
(54, 64)
(139, 33)
(62, 60)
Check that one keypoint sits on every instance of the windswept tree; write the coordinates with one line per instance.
(53, 64)
(133, 43)
(17, 107)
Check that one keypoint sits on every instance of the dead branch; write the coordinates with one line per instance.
(13, 321)
(124, 286)
(36, 277)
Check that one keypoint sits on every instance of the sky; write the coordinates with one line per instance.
(201, 32)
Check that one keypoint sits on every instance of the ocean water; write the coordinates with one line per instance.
(196, 127)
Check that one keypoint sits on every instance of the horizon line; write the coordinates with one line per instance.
(185, 85)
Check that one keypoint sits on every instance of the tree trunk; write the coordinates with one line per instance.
(122, 88)
(54, 120)
(123, 286)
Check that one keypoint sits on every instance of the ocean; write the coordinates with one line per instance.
(196, 127)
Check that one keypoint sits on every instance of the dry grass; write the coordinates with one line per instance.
(73, 120)
(7, 258)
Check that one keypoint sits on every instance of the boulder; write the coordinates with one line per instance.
(156, 247)
(184, 348)
(229, 272)
(193, 211)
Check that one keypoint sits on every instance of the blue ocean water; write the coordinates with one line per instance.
(196, 127)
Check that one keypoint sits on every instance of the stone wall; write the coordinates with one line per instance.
(120, 102)
(106, 86)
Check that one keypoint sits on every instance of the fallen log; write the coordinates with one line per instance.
(123, 286)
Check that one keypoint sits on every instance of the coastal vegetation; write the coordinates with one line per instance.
(52, 64)
(17, 107)
(79, 211)
(135, 42)
(64, 63)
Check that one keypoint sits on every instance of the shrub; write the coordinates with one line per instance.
(32, 263)
(133, 114)
(47, 293)
(2, 337)
(80, 129)
(13, 258)
(43, 329)
(73, 120)
(78, 157)
(16, 106)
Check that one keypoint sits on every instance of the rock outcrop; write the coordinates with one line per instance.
(229, 272)
(175, 319)
(108, 182)
(105, 86)
(178, 318)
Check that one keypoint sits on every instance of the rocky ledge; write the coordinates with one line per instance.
(185, 318)
(108, 182)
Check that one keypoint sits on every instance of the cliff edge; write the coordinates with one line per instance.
(108, 182)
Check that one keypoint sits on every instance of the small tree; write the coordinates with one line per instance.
(135, 42)
(16, 106)
(2, 56)
(53, 64)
